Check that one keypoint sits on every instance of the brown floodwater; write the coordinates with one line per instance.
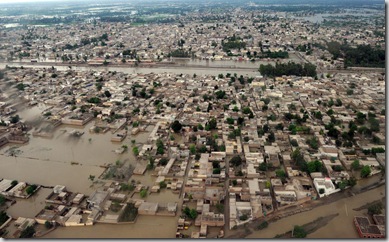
(145, 227)
(28, 208)
(49, 162)
(341, 226)
(64, 159)
(69, 161)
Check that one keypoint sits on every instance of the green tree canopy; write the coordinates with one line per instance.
(176, 126)
(365, 172)
(236, 160)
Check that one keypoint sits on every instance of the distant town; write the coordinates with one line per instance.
(201, 121)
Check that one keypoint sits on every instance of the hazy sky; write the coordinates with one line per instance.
(21, 1)
(15, 1)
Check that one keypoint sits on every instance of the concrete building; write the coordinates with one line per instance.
(324, 186)
(366, 229)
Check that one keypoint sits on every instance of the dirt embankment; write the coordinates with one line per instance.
(367, 205)
(311, 226)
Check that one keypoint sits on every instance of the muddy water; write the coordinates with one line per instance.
(147, 70)
(145, 227)
(69, 161)
(61, 159)
(28, 208)
(183, 66)
(340, 227)
(49, 173)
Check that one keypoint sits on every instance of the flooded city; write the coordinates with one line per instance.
(67, 160)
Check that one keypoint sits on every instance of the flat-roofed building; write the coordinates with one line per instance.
(366, 229)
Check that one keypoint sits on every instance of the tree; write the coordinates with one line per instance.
(160, 151)
(160, 147)
(176, 126)
(342, 185)
(186, 211)
(220, 207)
(107, 93)
(375, 209)
(215, 164)
(281, 174)
(192, 149)
(337, 168)
(299, 232)
(236, 160)
(216, 171)
(20, 86)
(271, 137)
(318, 115)
(262, 166)
(14, 183)
(314, 166)
(212, 123)
(30, 189)
(288, 69)
(94, 100)
(91, 177)
(163, 162)
(15, 119)
(135, 150)
(48, 225)
(162, 184)
(294, 143)
(361, 117)
(365, 172)
(263, 225)
(338, 102)
(143, 193)
(313, 143)
(27, 232)
(356, 165)
(352, 181)
(374, 125)
(191, 213)
(150, 165)
(99, 86)
(220, 94)
(2, 200)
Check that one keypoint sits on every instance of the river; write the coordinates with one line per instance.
(182, 66)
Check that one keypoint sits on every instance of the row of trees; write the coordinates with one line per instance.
(179, 53)
(274, 55)
(233, 42)
(288, 69)
(362, 55)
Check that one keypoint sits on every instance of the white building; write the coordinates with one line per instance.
(325, 184)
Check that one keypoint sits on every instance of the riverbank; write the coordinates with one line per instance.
(309, 227)
(187, 70)
(230, 65)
